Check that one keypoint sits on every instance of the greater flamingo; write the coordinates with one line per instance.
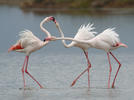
(29, 43)
(85, 32)
(107, 40)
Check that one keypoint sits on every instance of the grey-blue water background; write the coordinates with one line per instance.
(55, 67)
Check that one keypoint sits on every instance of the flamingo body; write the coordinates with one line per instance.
(29, 43)
(85, 32)
(107, 40)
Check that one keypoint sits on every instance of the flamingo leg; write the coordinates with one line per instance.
(117, 69)
(78, 77)
(89, 66)
(109, 70)
(30, 74)
(23, 73)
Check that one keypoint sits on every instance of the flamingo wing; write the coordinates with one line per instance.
(85, 32)
(28, 41)
(27, 34)
(108, 36)
(17, 46)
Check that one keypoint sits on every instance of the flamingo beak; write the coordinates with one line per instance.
(123, 45)
(47, 39)
(52, 38)
(53, 19)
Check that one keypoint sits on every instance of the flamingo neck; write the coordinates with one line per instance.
(89, 42)
(62, 35)
(43, 29)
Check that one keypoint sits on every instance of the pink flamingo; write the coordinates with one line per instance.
(29, 43)
(85, 32)
(108, 40)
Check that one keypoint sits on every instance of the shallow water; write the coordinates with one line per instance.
(55, 67)
(56, 76)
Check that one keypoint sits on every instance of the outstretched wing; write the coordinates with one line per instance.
(109, 36)
(27, 34)
(27, 38)
(85, 32)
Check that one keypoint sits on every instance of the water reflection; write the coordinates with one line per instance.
(66, 93)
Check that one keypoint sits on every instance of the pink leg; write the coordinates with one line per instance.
(78, 77)
(109, 70)
(117, 69)
(89, 65)
(23, 73)
(30, 74)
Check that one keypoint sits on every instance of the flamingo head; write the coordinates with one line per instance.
(50, 18)
(53, 19)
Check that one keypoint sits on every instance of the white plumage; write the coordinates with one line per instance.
(107, 40)
(85, 38)
(109, 36)
(29, 42)
(85, 32)
(27, 34)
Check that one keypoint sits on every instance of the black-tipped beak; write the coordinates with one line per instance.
(48, 39)
(44, 40)
(53, 19)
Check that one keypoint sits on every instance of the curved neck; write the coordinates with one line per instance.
(43, 29)
(62, 37)
(89, 42)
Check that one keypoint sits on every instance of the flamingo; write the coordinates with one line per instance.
(29, 43)
(85, 32)
(108, 40)
(85, 38)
